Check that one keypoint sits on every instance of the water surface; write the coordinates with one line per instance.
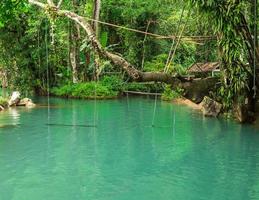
(53, 154)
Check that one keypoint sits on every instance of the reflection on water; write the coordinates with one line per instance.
(184, 156)
(9, 118)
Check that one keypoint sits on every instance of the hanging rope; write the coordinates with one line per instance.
(47, 65)
(38, 51)
(47, 56)
(143, 53)
(172, 46)
(190, 39)
(95, 93)
(177, 44)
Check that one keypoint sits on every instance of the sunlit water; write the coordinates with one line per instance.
(48, 154)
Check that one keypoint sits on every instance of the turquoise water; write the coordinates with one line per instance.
(185, 156)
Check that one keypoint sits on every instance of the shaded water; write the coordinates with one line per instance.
(185, 156)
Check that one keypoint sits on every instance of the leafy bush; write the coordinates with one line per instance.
(3, 102)
(140, 87)
(88, 90)
(114, 83)
(157, 64)
(169, 94)
(185, 55)
(136, 87)
(179, 69)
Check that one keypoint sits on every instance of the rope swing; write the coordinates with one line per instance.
(172, 46)
(172, 55)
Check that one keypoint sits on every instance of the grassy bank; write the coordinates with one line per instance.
(106, 88)
(90, 90)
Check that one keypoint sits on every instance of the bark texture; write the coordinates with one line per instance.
(96, 15)
(74, 45)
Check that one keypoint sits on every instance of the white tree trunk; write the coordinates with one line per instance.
(96, 16)
(73, 62)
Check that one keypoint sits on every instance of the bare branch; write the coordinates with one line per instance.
(59, 3)
(50, 2)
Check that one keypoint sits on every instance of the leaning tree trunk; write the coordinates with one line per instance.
(134, 73)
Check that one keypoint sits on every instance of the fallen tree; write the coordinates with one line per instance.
(117, 60)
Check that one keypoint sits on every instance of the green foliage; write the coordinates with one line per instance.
(33, 63)
(136, 87)
(185, 55)
(11, 9)
(163, 16)
(113, 83)
(143, 87)
(228, 18)
(235, 89)
(169, 94)
(104, 39)
(88, 90)
(3, 102)
(157, 64)
(179, 69)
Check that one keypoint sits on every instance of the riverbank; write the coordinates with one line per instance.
(15, 100)
(187, 102)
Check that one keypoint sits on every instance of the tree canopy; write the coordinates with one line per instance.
(33, 39)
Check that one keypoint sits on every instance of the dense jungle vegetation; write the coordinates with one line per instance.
(44, 50)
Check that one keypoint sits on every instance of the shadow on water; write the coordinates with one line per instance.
(73, 125)
(50, 106)
(9, 126)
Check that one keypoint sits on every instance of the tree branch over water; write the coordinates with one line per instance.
(133, 72)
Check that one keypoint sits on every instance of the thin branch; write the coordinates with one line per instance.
(59, 3)
(50, 2)
(173, 43)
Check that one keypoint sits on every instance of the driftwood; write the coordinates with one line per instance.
(134, 73)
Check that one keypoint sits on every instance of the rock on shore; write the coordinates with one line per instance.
(15, 100)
